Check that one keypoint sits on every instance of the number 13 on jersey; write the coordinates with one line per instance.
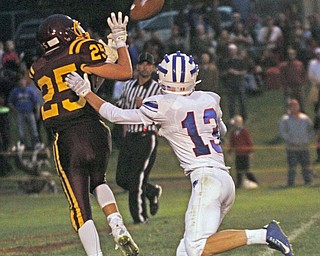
(189, 123)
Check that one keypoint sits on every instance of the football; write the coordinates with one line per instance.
(145, 9)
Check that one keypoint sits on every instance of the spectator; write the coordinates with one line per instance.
(208, 74)
(268, 65)
(236, 19)
(194, 17)
(201, 42)
(271, 36)
(181, 19)
(234, 71)
(314, 95)
(301, 41)
(293, 78)
(297, 30)
(155, 46)
(10, 58)
(140, 39)
(241, 37)
(283, 23)
(134, 166)
(24, 101)
(243, 7)
(241, 144)
(296, 128)
(222, 49)
(8, 80)
(252, 79)
(267, 59)
(1, 53)
(212, 17)
(254, 24)
(176, 42)
(314, 75)
(314, 21)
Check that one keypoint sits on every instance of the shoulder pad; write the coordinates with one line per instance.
(91, 51)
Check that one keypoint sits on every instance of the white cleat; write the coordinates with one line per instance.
(124, 241)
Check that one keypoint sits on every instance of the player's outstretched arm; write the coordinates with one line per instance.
(82, 87)
(122, 70)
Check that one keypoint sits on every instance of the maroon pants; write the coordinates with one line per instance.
(81, 156)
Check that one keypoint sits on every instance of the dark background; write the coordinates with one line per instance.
(90, 13)
(94, 13)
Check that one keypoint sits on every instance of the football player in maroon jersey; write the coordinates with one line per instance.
(82, 144)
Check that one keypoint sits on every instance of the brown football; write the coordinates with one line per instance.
(145, 9)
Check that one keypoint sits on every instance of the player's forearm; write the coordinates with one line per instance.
(94, 100)
(118, 115)
(122, 70)
(124, 62)
(111, 112)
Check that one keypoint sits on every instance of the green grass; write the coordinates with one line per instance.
(40, 225)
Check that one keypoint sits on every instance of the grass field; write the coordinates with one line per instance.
(40, 225)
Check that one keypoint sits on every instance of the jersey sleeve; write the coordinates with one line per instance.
(90, 51)
(222, 127)
(150, 109)
(123, 116)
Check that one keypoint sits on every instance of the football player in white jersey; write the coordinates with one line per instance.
(192, 123)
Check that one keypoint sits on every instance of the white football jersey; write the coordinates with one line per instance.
(192, 124)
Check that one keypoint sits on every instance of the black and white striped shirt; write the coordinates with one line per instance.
(127, 100)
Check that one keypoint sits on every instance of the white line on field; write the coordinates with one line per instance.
(295, 233)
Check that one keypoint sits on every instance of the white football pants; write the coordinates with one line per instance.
(213, 194)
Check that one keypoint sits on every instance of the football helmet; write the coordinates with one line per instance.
(59, 30)
(178, 73)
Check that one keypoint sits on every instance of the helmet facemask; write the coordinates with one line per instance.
(79, 31)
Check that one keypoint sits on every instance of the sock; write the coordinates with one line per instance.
(90, 239)
(115, 219)
(257, 236)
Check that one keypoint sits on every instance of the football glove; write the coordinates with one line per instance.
(110, 50)
(118, 29)
(81, 86)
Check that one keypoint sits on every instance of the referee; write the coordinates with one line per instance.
(138, 150)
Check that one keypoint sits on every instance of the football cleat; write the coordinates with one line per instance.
(124, 241)
(154, 202)
(277, 239)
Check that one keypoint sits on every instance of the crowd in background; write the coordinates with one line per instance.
(248, 56)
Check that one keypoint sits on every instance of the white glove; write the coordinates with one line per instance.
(81, 86)
(118, 29)
(110, 50)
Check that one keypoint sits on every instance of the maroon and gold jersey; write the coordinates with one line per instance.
(62, 107)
